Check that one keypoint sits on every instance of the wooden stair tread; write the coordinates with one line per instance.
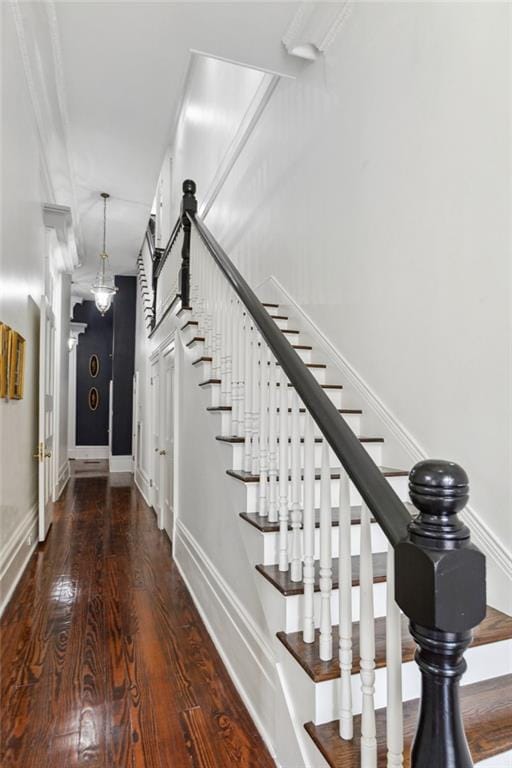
(289, 330)
(194, 340)
(237, 439)
(189, 322)
(495, 627)
(486, 710)
(248, 477)
(281, 579)
(203, 359)
(267, 304)
(263, 524)
(279, 317)
(209, 381)
(310, 365)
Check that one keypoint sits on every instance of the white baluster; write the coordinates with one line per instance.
(248, 375)
(325, 556)
(367, 645)
(296, 561)
(229, 359)
(255, 451)
(309, 530)
(283, 472)
(345, 609)
(241, 369)
(262, 498)
(272, 442)
(394, 709)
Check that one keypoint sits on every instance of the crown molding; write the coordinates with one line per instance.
(49, 121)
(314, 27)
(60, 89)
(58, 217)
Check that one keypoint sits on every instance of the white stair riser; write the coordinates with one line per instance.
(484, 662)
(319, 701)
(199, 347)
(353, 420)
(269, 546)
(283, 324)
(294, 609)
(373, 449)
(320, 374)
(400, 485)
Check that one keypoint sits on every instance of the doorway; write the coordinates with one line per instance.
(167, 453)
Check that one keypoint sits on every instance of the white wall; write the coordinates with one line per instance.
(217, 98)
(33, 174)
(21, 285)
(62, 307)
(376, 189)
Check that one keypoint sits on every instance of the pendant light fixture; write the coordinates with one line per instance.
(104, 289)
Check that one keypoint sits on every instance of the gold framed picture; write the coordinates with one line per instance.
(4, 360)
(94, 398)
(16, 365)
(94, 365)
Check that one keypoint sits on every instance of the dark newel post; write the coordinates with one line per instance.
(188, 205)
(440, 586)
(157, 255)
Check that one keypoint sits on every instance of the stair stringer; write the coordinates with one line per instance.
(211, 556)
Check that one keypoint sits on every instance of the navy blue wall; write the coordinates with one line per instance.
(123, 365)
(92, 426)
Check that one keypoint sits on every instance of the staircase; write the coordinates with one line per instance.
(371, 599)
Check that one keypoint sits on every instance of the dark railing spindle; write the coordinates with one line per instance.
(188, 206)
(440, 586)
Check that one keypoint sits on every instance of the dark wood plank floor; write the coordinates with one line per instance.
(104, 659)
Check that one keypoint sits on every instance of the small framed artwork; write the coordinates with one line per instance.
(94, 365)
(4, 360)
(94, 398)
(16, 371)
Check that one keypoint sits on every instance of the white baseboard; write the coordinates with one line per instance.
(15, 555)
(142, 483)
(88, 452)
(481, 535)
(120, 464)
(62, 480)
(229, 625)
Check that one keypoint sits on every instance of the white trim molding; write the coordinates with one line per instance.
(120, 464)
(15, 555)
(314, 27)
(229, 624)
(63, 477)
(89, 452)
(143, 484)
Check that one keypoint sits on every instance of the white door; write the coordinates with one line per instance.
(46, 404)
(135, 416)
(168, 446)
(155, 436)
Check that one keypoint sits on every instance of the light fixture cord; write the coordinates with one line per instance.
(104, 225)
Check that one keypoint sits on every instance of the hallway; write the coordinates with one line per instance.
(105, 661)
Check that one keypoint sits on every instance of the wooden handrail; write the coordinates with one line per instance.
(387, 508)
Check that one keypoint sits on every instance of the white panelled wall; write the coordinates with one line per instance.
(376, 189)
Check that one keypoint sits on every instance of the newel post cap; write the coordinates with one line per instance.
(189, 202)
(440, 575)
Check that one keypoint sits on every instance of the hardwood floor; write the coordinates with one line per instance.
(104, 659)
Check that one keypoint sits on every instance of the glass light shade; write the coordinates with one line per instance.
(103, 297)
(103, 289)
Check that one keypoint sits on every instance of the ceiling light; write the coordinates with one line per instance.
(104, 289)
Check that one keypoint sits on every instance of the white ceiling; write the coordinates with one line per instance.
(123, 69)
